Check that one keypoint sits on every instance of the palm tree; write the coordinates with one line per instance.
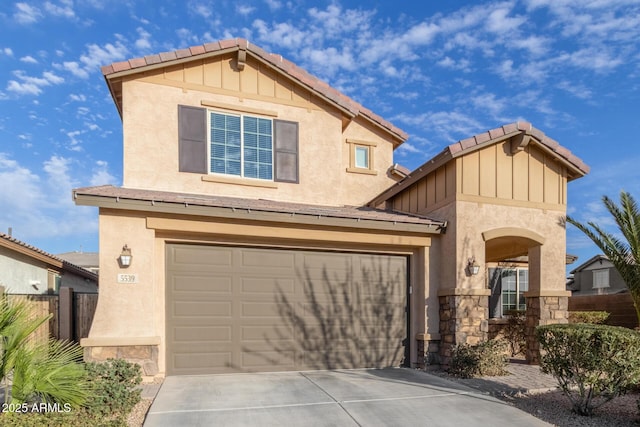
(624, 251)
(47, 371)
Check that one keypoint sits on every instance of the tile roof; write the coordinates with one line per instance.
(6, 240)
(257, 205)
(461, 146)
(277, 61)
(464, 146)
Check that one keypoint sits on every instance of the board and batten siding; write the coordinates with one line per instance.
(256, 80)
(529, 177)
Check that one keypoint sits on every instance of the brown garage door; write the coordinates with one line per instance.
(237, 309)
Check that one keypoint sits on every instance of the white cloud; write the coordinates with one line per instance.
(7, 51)
(29, 59)
(273, 4)
(75, 69)
(101, 174)
(65, 9)
(78, 98)
(96, 55)
(201, 9)
(143, 42)
(244, 9)
(578, 90)
(27, 85)
(26, 14)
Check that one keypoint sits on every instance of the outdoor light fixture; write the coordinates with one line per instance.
(472, 267)
(125, 257)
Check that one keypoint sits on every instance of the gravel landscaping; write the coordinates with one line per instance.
(554, 408)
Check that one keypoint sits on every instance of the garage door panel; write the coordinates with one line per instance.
(186, 256)
(273, 309)
(267, 285)
(202, 309)
(203, 284)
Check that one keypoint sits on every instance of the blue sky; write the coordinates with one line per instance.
(440, 72)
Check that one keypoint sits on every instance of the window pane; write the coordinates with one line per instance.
(250, 155)
(523, 280)
(251, 169)
(600, 279)
(362, 157)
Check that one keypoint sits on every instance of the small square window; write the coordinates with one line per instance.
(362, 157)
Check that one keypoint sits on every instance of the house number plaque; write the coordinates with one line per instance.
(127, 278)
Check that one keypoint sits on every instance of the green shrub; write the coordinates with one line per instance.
(114, 388)
(484, 359)
(594, 317)
(592, 363)
(113, 393)
(514, 332)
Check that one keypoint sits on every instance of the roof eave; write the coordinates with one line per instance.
(115, 202)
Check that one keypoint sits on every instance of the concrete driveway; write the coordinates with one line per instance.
(386, 397)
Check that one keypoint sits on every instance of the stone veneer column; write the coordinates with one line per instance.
(463, 319)
(543, 309)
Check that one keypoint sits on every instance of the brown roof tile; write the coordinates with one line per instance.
(197, 50)
(121, 66)
(137, 62)
(295, 72)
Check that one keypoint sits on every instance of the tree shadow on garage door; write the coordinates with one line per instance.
(337, 319)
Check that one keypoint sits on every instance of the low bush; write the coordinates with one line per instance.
(114, 386)
(113, 393)
(594, 317)
(484, 359)
(514, 332)
(592, 363)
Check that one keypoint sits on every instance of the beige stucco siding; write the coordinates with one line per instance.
(135, 313)
(150, 128)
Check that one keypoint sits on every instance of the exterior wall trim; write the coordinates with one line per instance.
(512, 232)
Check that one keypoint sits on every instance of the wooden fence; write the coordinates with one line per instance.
(620, 306)
(72, 313)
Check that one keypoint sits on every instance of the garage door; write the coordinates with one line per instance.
(238, 309)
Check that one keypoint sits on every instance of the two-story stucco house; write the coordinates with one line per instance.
(269, 228)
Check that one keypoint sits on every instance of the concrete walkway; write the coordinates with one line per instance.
(398, 397)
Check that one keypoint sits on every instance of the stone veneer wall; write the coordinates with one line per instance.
(144, 355)
(463, 320)
(542, 311)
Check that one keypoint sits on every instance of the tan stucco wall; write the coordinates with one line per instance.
(150, 130)
(134, 314)
(464, 239)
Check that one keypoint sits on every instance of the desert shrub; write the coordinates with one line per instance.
(113, 392)
(594, 317)
(592, 363)
(114, 388)
(484, 359)
(514, 332)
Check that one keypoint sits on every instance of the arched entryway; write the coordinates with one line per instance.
(514, 265)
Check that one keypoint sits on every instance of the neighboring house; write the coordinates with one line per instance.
(597, 276)
(25, 269)
(262, 224)
(87, 260)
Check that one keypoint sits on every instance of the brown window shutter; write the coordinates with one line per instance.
(192, 139)
(285, 137)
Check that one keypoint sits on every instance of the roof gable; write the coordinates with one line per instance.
(348, 106)
(18, 246)
(519, 134)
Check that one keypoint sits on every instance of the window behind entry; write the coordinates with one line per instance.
(508, 286)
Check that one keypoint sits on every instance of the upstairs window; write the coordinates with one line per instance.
(237, 145)
(361, 156)
(601, 278)
(241, 146)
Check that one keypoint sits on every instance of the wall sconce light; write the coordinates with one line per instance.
(472, 267)
(125, 257)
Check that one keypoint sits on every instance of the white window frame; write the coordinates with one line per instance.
(242, 146)
(362, 149)
(601, 278)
